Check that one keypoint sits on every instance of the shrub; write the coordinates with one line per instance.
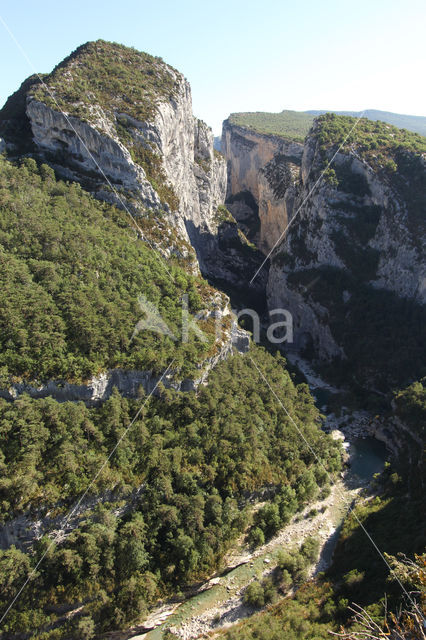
(256, 537)
(310, 549)
(353, 578)
(257, 594)
(285, 580)
(254, 595)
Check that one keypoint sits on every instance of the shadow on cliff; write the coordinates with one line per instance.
(228, 261)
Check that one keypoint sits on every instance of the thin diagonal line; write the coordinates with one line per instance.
(79, 501)
(318, 459)
(107, 180)
(306, 199)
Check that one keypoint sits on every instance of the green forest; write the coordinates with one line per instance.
(109, 509)
(372, 137)
(195, 458)
(393, 512)
(72, 270)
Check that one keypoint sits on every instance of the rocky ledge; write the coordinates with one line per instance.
(128, 382)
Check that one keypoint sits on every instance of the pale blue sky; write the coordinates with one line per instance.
(264, 55)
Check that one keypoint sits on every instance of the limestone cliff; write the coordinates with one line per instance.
(351, 269)
(355, 254)
(263, 171)
(151, 155)
(120, 123)
(128, 382)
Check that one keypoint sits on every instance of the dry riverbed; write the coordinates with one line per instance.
(221, 603)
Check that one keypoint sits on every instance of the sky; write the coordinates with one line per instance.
(264, 55)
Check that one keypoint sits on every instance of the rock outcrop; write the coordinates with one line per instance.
(356, 241)
(162, 166)
(135, 144)
(152, 157)
(129, 382)
(263, 172)
(363, 229)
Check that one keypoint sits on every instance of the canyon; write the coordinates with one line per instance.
(366, 232)
(330, 228)
(326, 242)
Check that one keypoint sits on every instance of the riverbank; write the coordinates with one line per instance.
(220, 601)
(321, 519)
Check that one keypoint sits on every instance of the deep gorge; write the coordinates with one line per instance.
(104, 199)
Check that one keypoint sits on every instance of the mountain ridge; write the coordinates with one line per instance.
(295, 125)
(400, 120)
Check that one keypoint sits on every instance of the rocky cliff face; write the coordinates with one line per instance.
(162, 165)
(356, 249)
(363, 229)
(263, 172)
(354, 254)
(149, 155)
(128, 382)
(130, 138)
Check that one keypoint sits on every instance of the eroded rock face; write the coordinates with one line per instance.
(163, 169)
(366, 232)
(101, 153)
(277, 191)
(263, 172)
(362, 230)
(128, 382)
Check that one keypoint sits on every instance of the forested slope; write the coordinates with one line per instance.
(195, 460)
(174, 496)
(72, 271)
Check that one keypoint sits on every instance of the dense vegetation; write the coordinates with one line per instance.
(194, 458)
(394, 514)
(410, 406)
(293, 125)
(379, 143)
(412, 123)
(318, 609)
(358, 574)
(297, 618)
(291, 571)
(175, 495)
(72, 271)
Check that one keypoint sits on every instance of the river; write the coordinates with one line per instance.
(221, 603)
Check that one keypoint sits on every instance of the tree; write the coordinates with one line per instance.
(310, 549)
(254, 595)
(86, 628)
(132, 556)
(14, 570)
(256, 537)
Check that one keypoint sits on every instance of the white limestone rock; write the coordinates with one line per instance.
(92, 152)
